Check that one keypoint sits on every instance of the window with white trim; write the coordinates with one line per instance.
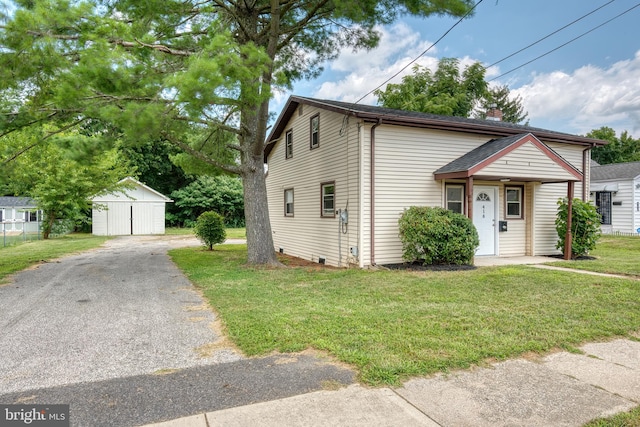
(328, 195)
(288, 138)
(513, 200)
(315, 131)
(455, 198)
(288, 202)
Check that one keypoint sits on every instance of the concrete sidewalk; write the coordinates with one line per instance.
(561, 389)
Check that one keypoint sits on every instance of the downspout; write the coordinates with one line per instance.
(372, 201)
(586, 163)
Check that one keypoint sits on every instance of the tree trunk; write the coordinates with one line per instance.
(256, 209)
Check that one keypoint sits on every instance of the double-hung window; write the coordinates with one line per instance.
(288, 138)
(455, 198)
(288, 202)
(513, 197)
(314, 141)
(328, 195)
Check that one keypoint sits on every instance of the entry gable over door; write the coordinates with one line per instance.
(519, 157)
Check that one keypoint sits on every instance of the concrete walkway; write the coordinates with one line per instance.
(561, 389)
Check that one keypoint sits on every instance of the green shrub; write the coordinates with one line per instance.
(210, 229)
(435, 235)
(585, 226)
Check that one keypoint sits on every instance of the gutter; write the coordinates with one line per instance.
(372, 201)
(584, 170)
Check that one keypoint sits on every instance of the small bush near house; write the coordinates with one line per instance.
(210, 229)
(435, 235)
(585, 226)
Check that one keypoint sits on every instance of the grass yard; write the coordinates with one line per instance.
(615, 254)
(19, 257)
(391, 325)
(624, 419)
(232, 233)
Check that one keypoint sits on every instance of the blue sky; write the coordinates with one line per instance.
(591, 82)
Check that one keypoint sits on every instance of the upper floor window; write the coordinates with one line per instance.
(288, 138)
(455, 198)
(513, 197)
(315, 131)
(328, 190)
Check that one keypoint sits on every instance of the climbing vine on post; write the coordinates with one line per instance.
(585, 226)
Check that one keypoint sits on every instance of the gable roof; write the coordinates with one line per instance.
(482, 158)
(374, 114)
(629, 170)
(106, 196)
(17, 202)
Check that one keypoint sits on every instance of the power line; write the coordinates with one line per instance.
(422, 54)
(549, 35)
(564, 44)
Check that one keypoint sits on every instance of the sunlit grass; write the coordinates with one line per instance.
(391, 325)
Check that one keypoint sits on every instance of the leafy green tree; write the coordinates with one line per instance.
(196, 73)
(222, 194)
(618, 150)
(585, 226)
(500, 97)
(447, 91)
(210, 229)
(60, 184)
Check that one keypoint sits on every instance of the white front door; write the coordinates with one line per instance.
(484, 218)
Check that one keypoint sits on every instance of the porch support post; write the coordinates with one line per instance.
(567, 237)
(470, 198)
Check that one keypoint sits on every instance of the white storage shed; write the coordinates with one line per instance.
(139, 210)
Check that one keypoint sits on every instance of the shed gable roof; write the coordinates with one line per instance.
(139, 187)
(374, 114)
(548, 166)
(629, 170)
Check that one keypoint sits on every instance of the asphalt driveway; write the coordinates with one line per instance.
(120, 335)
(121, 310)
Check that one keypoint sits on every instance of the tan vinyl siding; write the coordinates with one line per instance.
(307, 235)
(513, 241)
(545, 210)
(405, 161)
(526, 161)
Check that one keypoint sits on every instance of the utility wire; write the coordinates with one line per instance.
(564, 44)
(549, 35)
(421, 55)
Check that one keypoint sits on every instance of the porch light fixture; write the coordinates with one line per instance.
(505, 179)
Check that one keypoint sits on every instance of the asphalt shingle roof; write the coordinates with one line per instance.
(480, 154)
(613, 171)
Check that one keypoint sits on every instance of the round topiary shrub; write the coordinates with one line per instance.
(434, 235)
(210, 229)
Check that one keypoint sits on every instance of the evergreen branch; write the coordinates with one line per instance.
(201, 156)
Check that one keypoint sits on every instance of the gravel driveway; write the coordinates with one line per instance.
(121, 310)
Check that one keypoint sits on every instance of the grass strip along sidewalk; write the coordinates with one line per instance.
(391, 325)
(19, 257)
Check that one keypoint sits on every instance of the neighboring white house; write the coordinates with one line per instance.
(615, 190)
(138, 210)
(340, 175)
(18, 214)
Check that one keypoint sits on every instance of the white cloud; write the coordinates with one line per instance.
(362, 71)
(587, 98)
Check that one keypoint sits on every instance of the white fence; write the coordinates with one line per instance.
(16, 231)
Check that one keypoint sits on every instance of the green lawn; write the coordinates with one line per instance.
(232, 233)
(614, 254)
(391, 325)
(19, 257)
(624, 419)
